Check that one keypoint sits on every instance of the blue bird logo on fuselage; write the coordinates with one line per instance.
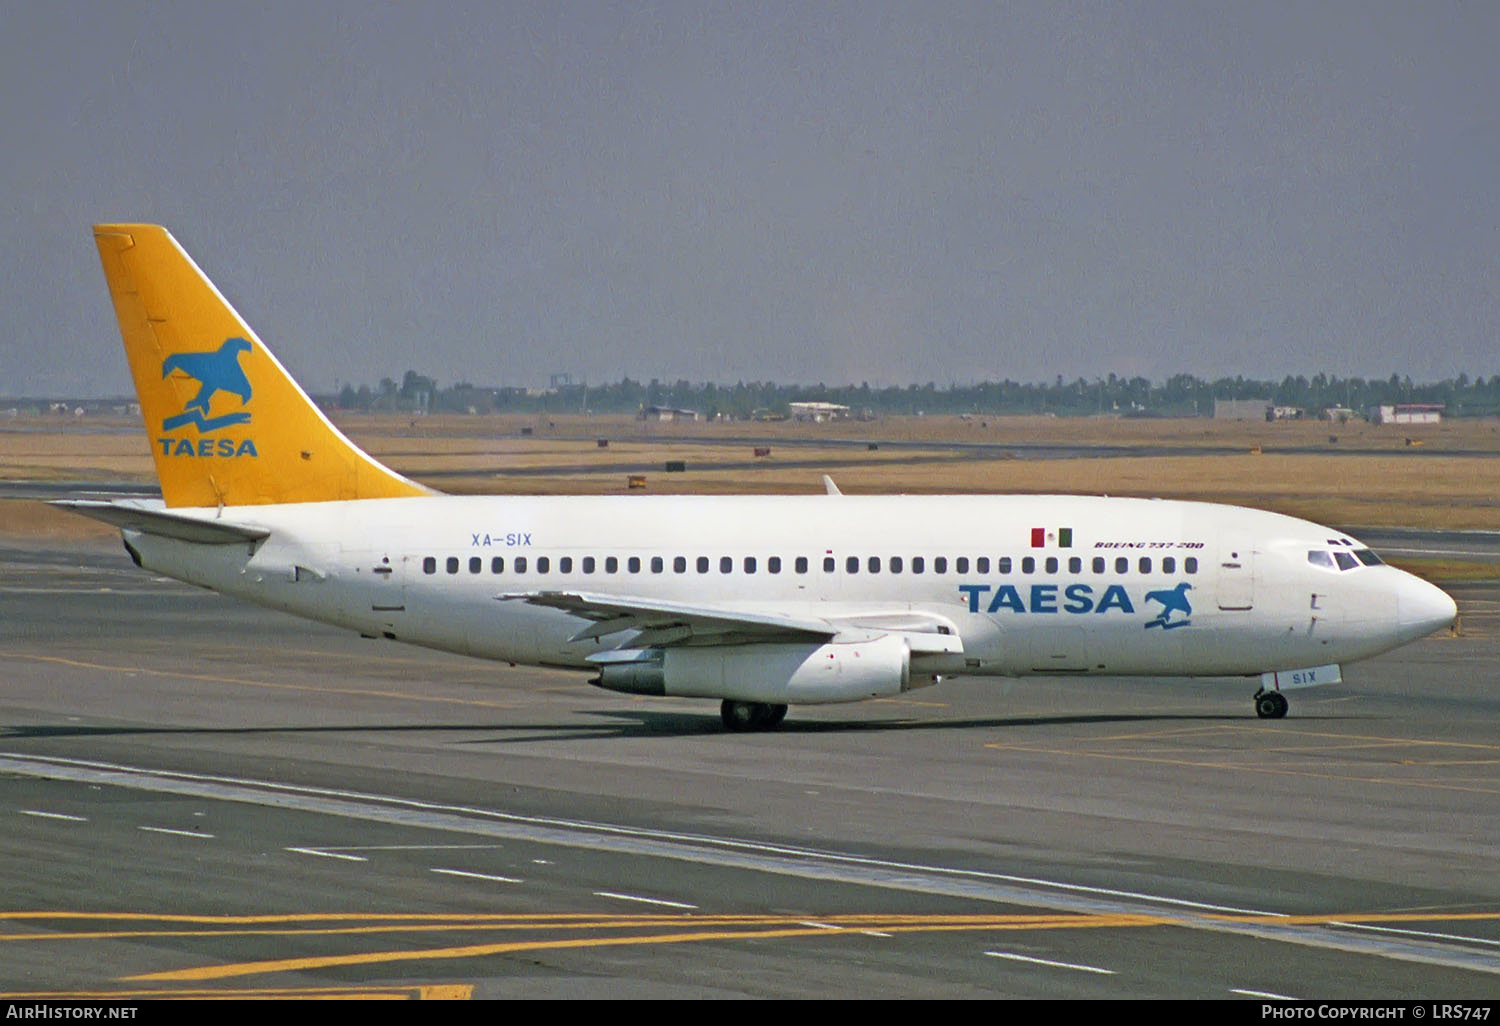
(218, 371)
(1173, 600)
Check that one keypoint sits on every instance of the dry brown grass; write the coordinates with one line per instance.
(1387, 482)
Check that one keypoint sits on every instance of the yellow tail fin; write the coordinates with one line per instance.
(228, 425)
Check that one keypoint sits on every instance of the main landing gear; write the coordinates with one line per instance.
(1270, 705)
(741, 717)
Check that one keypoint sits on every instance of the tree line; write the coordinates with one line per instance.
(1181, 395)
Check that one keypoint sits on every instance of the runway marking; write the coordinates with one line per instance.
(52, 815)
(1262, 994)
(1071, 905)
(329, 854)
(478, 876)
(1048, 962)
(1461, 938)
(417, 847)
(178, 833)
(646, 901)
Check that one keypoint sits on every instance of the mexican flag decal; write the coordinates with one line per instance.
(1062, 537)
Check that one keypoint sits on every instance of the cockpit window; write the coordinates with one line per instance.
(1317, 557)
(1367, 557)
(1345, 561)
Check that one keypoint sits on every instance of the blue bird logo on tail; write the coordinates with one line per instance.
(218, 371)
(1173, 600)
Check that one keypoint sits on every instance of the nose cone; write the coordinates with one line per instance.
(1422, 608)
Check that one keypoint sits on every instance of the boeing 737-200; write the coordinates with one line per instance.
(758, 601)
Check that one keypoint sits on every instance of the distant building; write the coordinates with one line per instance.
(1337, 414)
(1285, 413)
(1242, 409)
(1407, 413)
(818, 412)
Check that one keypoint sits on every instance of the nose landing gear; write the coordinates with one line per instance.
(1270, 705)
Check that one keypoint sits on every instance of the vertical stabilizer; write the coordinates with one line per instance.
(228, 425)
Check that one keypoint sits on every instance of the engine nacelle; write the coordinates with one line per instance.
(779, 674)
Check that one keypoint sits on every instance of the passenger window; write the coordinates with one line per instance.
(896, 564)
(657, 564)
(633, 564)
(828, 564)
(565, 565)
(961, 565)
(429, 565)
(1005, 564)
(851, 565)
(679, 564)
(1145, 564)
(703, 564)
(588, 564)
(982, 565)
(939, 564)
(918, 564)
(1028, 565)
(801, 564)
(1051, 564)
(874, 565)
(1122, 565)
(1190, 564)
(773, 564)
(611, 565)
(543, 564)
(749, 564)
(726, 564)
(453, 564)
(520, 564)
(1168, 565)
(497, 565)
(1098, 564)
(1075, 565)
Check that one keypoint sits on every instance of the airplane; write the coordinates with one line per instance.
(760, 602)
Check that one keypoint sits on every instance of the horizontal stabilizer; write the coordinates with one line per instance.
(155, 520)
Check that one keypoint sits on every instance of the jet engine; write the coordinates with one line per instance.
(776, 674)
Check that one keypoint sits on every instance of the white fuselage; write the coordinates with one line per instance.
(1030, 584)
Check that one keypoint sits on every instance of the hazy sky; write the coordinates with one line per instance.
(837, 192)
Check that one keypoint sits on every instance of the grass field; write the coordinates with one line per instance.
(1445, 476)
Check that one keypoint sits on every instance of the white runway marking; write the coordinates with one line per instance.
(646, 901)
(478, 876)
(1048, 962)
(329, 854)
(176, 833)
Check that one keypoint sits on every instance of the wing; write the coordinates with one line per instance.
(669, 623)
(657, 623)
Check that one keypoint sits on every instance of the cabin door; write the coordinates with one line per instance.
(1236, 584)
